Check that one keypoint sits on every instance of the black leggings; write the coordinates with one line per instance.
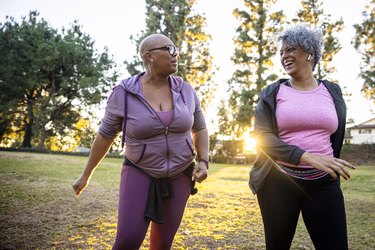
(322, 205)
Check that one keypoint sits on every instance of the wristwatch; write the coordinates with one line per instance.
(205, 162)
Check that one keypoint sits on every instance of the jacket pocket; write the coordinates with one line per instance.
(135, 153)
(143, 152)
(190, 147)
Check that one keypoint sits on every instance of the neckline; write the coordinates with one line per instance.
(287, 85)
(141, 94)
(164, 111)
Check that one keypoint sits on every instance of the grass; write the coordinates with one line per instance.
(38, 209)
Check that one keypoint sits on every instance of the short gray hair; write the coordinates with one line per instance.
(308, 39)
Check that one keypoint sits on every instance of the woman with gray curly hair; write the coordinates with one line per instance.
(299, 128)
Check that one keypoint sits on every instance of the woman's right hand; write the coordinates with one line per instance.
(329, 164)
(98, 150)
(80, 184)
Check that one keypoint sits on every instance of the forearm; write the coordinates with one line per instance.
(98, 150)
(268, 140)
(200, 139)
(279, 150)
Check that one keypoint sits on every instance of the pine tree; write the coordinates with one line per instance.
(254, 50)
(313, 14)
(226, 122)
(177, 20)
(364, 43)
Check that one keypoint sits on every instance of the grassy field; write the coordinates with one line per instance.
(38, 209)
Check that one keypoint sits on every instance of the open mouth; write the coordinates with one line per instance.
(287, 65)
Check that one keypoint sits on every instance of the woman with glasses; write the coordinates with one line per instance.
(164, 130)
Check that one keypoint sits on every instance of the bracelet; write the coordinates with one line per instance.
(205, 162)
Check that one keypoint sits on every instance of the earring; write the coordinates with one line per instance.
(309, 58)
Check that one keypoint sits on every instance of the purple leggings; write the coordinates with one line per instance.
(132, 225)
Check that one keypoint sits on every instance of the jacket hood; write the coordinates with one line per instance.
(130, 84)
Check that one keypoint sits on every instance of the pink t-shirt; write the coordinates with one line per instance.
(306, 119)
(164, 116)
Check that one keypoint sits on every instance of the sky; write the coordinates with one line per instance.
(110, 23)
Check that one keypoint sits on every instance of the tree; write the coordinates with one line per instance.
(84, 133)
(50, 75)
(313, 14)
(177, 20)
(364, 43)
(226, 123)
(254, 50)
(15, 65)
(81, 135)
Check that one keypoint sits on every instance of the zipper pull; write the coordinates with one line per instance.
(166, 130)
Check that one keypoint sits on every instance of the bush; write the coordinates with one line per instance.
(359, 154)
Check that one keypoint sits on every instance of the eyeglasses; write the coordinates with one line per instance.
(172, 50)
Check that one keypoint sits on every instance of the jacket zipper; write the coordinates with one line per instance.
(167, 145)
(166, 131)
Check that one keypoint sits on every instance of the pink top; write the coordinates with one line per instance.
(306, 119)
(164, 116)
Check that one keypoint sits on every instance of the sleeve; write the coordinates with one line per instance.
(337, 138)
(268, 141)
(111, 123)
(199, 120)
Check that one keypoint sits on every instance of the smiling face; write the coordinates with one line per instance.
(294, 60)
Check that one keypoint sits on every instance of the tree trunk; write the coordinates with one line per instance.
(26, 143)
(29, 121)
(2, 130)
(42, 137)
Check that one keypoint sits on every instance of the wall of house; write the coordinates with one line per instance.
(360, 136)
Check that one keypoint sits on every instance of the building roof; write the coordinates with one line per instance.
(365, 125)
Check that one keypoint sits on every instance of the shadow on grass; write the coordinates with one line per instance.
(39, 210)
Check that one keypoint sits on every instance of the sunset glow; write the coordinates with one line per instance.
(250, 145)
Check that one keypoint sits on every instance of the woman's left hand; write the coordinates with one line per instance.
(329, 164)
(200, 172)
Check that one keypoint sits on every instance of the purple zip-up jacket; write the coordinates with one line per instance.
(158, 150)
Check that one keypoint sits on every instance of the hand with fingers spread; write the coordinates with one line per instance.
(329, 164)
(200, 172)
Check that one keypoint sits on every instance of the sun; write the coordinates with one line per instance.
(250, 145)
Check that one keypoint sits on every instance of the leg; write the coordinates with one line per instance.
(132, 225)
(324, 215)
(162, 235)
(279, 201)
